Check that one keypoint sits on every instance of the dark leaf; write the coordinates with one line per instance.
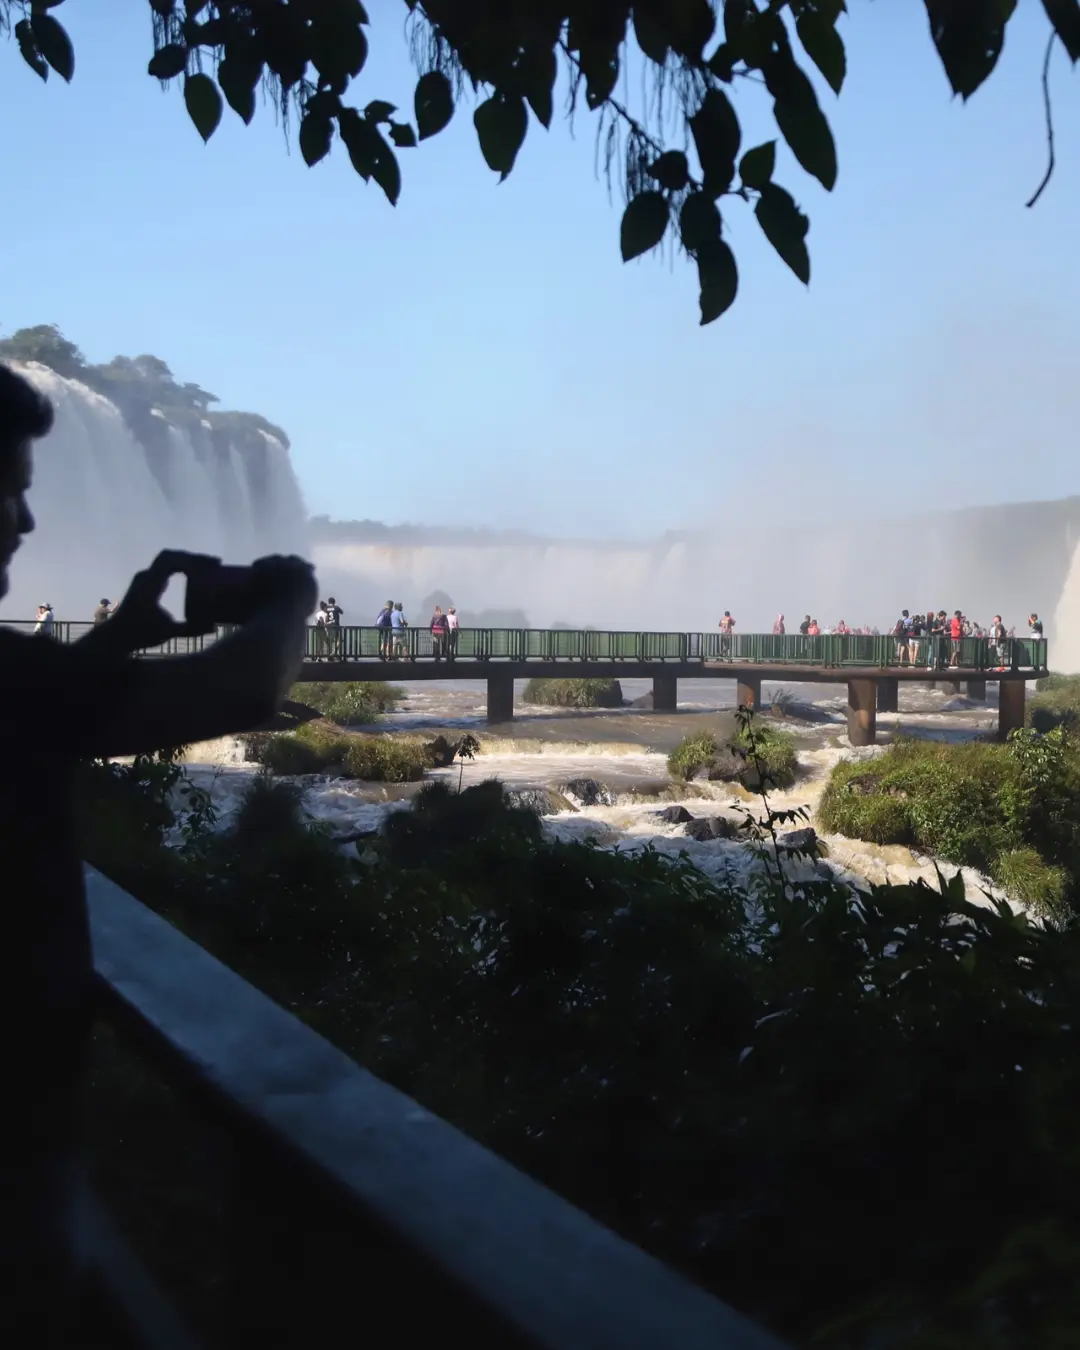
(785, 227)
(238, 79)
(163, 7)
(433, 103)
(386, 171)
(501, 122)
(378, 110)
(823, 45)
(699, 222)
(757, 165)
(316, 133)
(650, 34)
(338, 49)
(54, 44)
(690, 24)
(203, 104)
(800, 118)
(402, 135)
(537, 70)
(193, 8)
(717, 136)
(671, 170)
(601, 67)
(643, 224)
(1065, 17)
(28, 49)
(968, 38)
(722, 63)
(168, 62)
(718, 280)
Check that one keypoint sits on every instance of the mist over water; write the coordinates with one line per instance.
(105, 503)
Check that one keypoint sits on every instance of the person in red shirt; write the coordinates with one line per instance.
(956, 634)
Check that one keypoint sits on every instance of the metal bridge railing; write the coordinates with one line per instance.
(828, 650)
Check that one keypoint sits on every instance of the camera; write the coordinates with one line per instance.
(219, 594)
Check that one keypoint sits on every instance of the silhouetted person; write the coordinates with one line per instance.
(100, 701)
(333, 628)
(102, 612)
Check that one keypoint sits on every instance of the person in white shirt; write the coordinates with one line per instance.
(452, 628)
(45, 621)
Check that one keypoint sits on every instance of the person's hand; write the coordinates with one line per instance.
(282, 580)
(139, 619)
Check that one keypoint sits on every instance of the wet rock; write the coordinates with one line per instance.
(705, 829)
(801, 841)
(589, 792)
(645, 701)
(545, 801)
(674, 815)
(441, 751)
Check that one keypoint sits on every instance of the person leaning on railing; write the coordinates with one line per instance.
(60, 703)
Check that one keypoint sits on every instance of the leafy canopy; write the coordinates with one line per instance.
(304, 55)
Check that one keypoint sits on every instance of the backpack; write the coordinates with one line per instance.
(901, 628)
(383, 621)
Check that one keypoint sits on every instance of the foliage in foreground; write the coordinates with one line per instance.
(574, 693)
(853, 1118)
(317, 748)
(304, 58)
(1055, 703)
(1012, 811)
(349, 703)
(757, 753)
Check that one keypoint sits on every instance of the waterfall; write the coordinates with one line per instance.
(106, 501)
(1065, 633)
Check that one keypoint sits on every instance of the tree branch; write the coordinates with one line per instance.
(1049, 120)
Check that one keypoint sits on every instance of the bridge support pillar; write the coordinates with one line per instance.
(665, 692)
(976, 691)
(1012, 706)
(888, 695)
(500, 698)
(748, 691)
(862, 711)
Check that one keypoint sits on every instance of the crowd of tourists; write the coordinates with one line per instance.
(393, 625)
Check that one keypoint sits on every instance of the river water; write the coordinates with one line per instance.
(625, 751)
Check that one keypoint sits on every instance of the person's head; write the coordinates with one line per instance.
(727, 613)
(397, 605)
(389, 604)
(438, 609)
(957, 614)
(25, 416)
(331, 601)
(1033, 618)
(104, 603)
(904, 614)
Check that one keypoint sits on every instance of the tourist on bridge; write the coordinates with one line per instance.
(901, 631)
(320, 632)
(727, 627)
(384, 623)
(440, 631)
(1000, 640)
(44, 622)
(1036, 625)
(778, 627)
(398, 625)
(956, 636)
(102, 612)
(333, 629)
(452, 630)
(804, 627)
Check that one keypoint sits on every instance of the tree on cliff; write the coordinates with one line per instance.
(507, 53)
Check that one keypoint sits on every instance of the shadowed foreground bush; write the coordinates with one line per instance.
(1056, 702)
(574, 693)
(851, 1117)
(1012, 811)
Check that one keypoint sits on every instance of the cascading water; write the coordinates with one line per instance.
(106, 503)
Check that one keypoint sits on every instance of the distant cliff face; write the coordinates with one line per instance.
(115, 484)
(1007, 560)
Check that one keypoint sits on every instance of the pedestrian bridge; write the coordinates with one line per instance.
(870, 666)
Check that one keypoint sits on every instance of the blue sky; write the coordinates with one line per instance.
(480, 354)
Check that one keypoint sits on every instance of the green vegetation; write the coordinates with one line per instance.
(575, 693)
(756, 752)
(1056, 702)
(804, 1102)
(317, 748)
(1012, 811)
(349, 703)
(234, 50)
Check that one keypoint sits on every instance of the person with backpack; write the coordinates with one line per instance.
(333, 629)
(440, 630)
(999, 639)
(384, 623)
(901, 631)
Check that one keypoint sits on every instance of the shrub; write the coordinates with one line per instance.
(575, 693)
(386, 759)
(1056, 702)
(349, 703)
(775, 750)
(318, 748)
(692, 753)
(1023, 874)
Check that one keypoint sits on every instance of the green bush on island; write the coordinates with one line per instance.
(1012, 811)
(319, 749)
(737, 758)
(707, 1073)
(1056, 702)
(574, 693)
(349, 703)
